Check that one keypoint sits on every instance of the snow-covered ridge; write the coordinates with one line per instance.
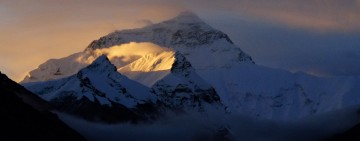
(59, 68)
(151, 62)
(150, 68)
(97, 82)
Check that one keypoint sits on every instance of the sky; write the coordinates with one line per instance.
(320, 37)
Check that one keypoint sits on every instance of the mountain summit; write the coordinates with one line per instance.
(102, 64)
(184, 30)
(204, 46)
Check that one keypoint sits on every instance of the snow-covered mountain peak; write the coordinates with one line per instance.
(101, 64)
(184, 30)
(203, 46)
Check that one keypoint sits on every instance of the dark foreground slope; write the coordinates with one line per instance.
(352, 134)
(26, 116)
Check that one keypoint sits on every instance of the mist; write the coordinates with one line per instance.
(232, 126)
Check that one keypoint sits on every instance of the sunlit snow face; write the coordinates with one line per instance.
(141, 57)
(132, 49)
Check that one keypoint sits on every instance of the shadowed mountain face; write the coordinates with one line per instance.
(24, 115)
(184, 89)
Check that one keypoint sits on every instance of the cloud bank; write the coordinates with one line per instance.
(195, 127)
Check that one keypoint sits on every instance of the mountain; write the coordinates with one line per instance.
(98, 92)
(204, 46)
(184, 89)
(24, 115)
(145, 55)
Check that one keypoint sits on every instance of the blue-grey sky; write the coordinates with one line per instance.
(321, 37)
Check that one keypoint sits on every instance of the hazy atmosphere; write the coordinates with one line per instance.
(320, 37)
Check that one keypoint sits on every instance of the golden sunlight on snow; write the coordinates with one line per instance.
(133, 49)
(142, 57)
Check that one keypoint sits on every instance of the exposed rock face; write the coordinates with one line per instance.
(183, 89)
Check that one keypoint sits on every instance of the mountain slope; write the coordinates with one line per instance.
(98, 92)
(59, 68)
(27, 115)
(268, 93)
